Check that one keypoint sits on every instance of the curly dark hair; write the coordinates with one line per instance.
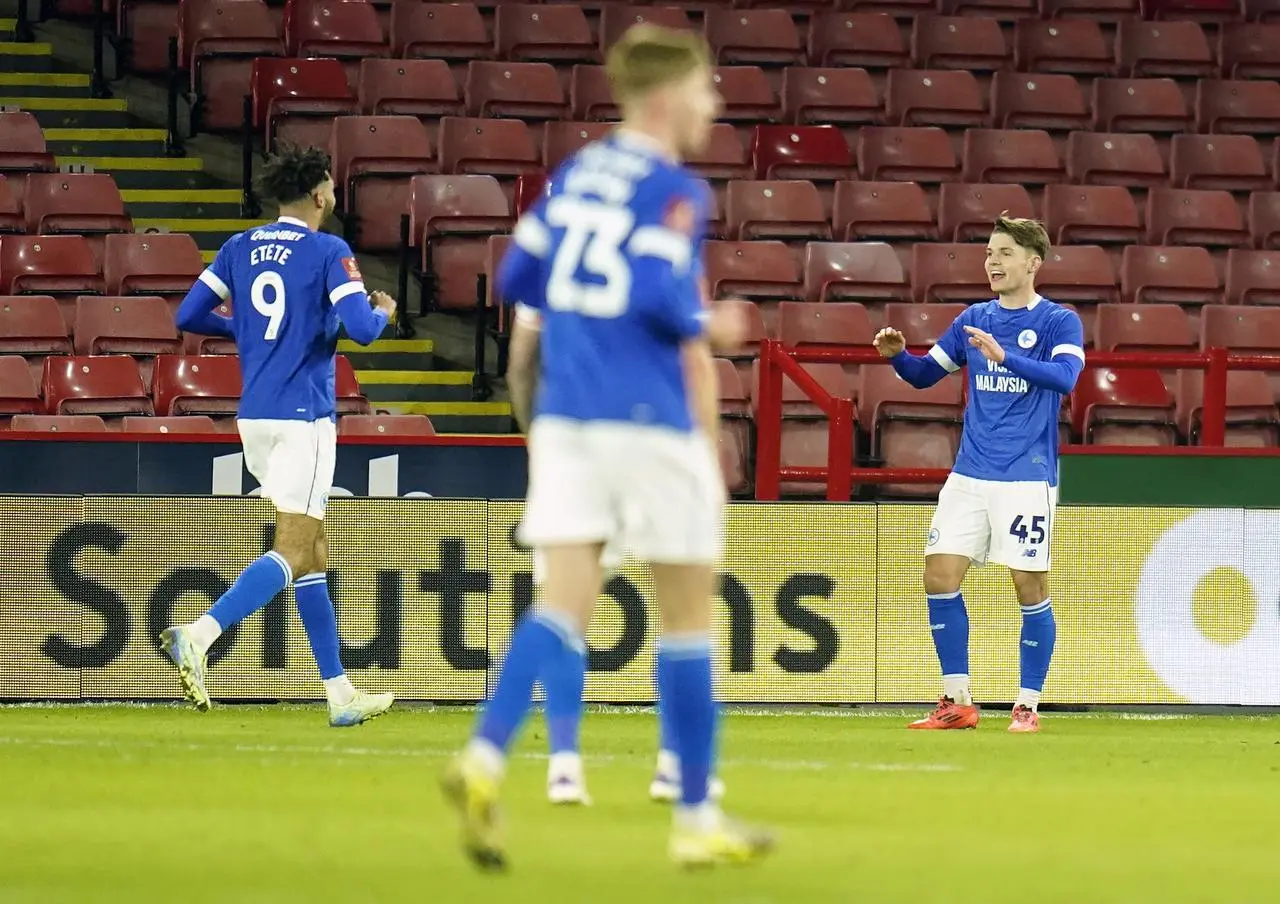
(292, 173)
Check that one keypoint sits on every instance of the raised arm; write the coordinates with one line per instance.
(1066, 356)
(347, 294)
(197, 313)
(923, 371)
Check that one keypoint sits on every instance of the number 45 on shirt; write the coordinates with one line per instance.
(1035, 532)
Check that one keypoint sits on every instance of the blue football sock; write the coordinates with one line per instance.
(666, 730)
(563, 677)
(536, 641)
(684, 683)
(257, 585)
(949, 624)
(320, 622)
(1039, 633)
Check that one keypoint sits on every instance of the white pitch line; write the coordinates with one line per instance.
(779, 765)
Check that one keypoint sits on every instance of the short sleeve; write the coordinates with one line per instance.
(667, 248)
(342, 273)
(951, 349)
(1068, 336)
(217, 276)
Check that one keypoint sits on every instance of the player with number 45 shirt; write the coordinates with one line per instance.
(290, 286)
(1023, 354)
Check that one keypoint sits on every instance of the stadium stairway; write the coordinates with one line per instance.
(165, 193)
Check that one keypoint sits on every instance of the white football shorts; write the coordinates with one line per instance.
(293, 460)
(1006, 522)
(653, 492)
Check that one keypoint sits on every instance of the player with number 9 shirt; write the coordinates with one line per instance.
(290, 287)
(1023, 354)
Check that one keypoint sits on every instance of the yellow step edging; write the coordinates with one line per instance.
(195, 224)
(144, 164)
(414, 377)
(42, 79)
(22, 48)
(207, 256)
(388, 347)
(72, 104)
(458, 409)
(181, 195)
(105, 135)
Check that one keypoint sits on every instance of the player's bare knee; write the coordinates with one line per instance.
(944, 574)
(320, 552)
(684, 593)
(296, 541)
(572, 579)
(1032, 587)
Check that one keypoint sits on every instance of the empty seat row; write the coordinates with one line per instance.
(385, 425)
(113, 385)
(53, 203)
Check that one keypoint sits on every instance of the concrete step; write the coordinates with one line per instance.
(45, 84)
(127, 142)
(16, 56)
(73, 112)
(210, 234)
(151, 173)
(458, 417)
(390, 354)
(168, 203)
(415, 386)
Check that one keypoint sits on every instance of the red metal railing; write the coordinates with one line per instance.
(777, 360)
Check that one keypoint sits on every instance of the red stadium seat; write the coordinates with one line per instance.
(529, 188)
(790, 211)
(57, 423)
(1209, 11)
(385, 425)
(219, 40)
(1094, 158)
(817, 153)
(19, 393)
(32, 325)
(165, 265)
(1177, 216)
(958, 42)
(763, 271)
(1264, 218)
(374, 157)
(1246, 330)
(562, 140)
(756, 331)
(999, 10)
(1240, 107)
(296, 100)
(733, 398)
(1250, 51)
(866, 40)
(589, 95)
(1139, 105)
(350, 400)
(22, 145)
(438, 31)
(497, 147)
(839, 97)
(185, 424)
(422, 88)
(335, 29)
(949, 272)
(1143, 327)
(755, 37)
(1227, 162)
(450, 220)
(1098, 10)
(1169, 274)
(104, 385)
(57, 265)
(1038, 101)
(967, 211)
(1091, 213)
(80, 204)
(1070, 47)
(883, 211)
(555, 32)
(935, 97)
(1174, 49)
(723, 158)
(196, 384)
(901, 9)
(1253, 277)
(921, 155)
(529, 91)
(804, 426)
(801, 323)
(1252, 419)
(135, 325)
(733, 459)
(908, 427)
(746, 95)
(1021, 156)
(921, 325)
(616, 18)
(1078, 274)
(11, 221)
(1123, 406)
(853, 271)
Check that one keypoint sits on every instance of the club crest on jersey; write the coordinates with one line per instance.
(1027, 338)
(352, 266)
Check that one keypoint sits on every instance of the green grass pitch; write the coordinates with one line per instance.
(252, 804)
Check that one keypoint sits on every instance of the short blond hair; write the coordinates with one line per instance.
(650, 56)
(1025, 232)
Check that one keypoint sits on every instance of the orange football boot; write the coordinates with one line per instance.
(949, 715)
(1025, 720)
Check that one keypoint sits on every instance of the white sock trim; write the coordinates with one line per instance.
(284, 565)
(1028, 698)
(1037, 608)
(339, 690)
(957, 688)
(316, 577)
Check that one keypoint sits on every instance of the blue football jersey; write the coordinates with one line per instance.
(287, 284)
(611, 261)
(1010, 426)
